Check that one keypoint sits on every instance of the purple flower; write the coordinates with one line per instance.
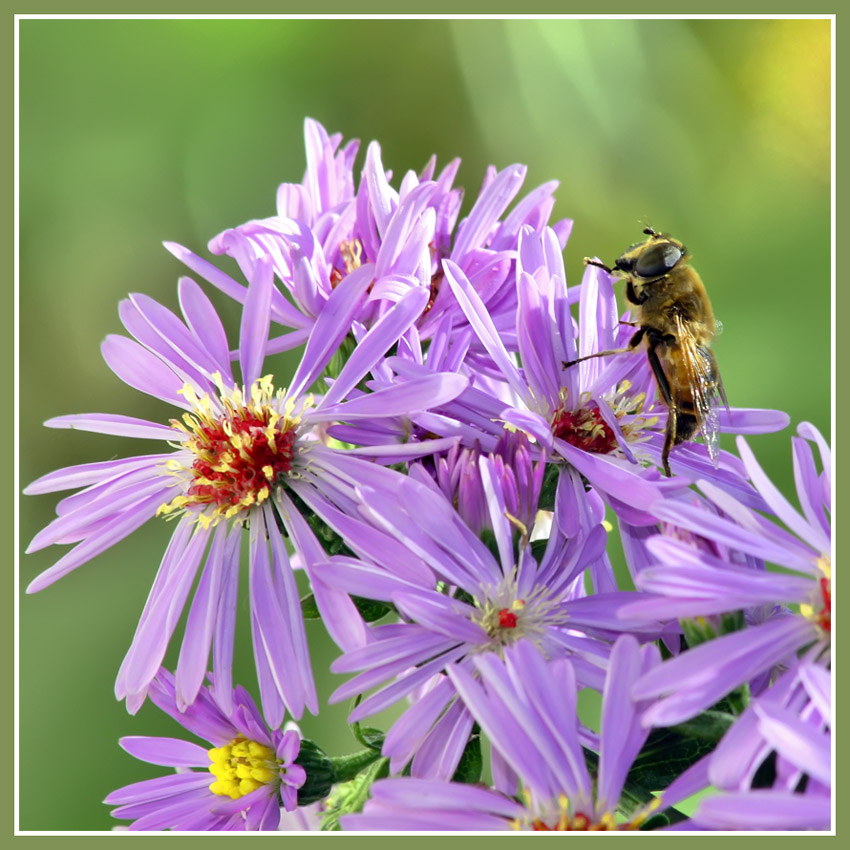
(527, 708)
(458, 600)
(458, 475)
(601, 417)
(323, 232)
(692, 583)
(793, 721)
(244, 781)
(238, 445)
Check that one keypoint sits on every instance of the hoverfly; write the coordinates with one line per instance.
(674, 318)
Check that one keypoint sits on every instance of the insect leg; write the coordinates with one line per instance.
(589, 262)
(633, 344)
(658, 370)
(664, 388)
(631, 296)
(669, 438)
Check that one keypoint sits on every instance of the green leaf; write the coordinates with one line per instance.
(371, 609)
(471, 762)
(709, 726)
(463, 596)
(351, 796)
(549, 487)
(366, 735)
(665, 755)
(309, 608)
(702, 629)
(369, 736)
(538, 547)
(654, 822)
(489, 540)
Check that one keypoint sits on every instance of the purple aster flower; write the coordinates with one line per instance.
(458, 475)
(692, 583)
(792, 721)
(602, 417)
(245, 780)
(527, 708)
(323, 232)
(457, 600)
(236, 447)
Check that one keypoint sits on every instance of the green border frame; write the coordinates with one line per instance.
(332, 9)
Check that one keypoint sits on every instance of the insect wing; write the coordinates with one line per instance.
(704, 383)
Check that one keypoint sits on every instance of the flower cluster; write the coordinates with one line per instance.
(446, 465)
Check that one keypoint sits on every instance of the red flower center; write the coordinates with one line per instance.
(507, 619)
(577, 823)
(237, 460)
(585, 429)
(824, 618)
(240, 448)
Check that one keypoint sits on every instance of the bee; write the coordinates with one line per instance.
(675, 323)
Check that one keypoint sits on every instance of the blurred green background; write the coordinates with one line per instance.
(134, 132)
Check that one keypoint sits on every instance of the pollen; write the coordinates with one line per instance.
(235, 452)
(819, 609)
(585, 429)
(558, 815)
(350, 251)
(242, 766)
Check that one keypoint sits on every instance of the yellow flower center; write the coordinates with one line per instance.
(242, 766)
(351, 251)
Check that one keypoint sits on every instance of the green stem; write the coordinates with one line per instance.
(347, 767)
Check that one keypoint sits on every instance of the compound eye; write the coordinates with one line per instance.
(658, 259)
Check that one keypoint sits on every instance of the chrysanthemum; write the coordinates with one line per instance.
(692, 583)
(457, 600)
(237, 447)
(245, 780)
(527, 708)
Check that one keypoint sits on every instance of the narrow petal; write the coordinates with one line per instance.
(98, 542)
(114, 423)
(379, 339)
(764, 810)
(194, 652)
(205, 324)
(804, 746)
(87, 474)
(170, 752)
(812, 534)
(254, 329)
(491, 203)
(400, 399)
(143, 371)
(479, 317)
(333, 323)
